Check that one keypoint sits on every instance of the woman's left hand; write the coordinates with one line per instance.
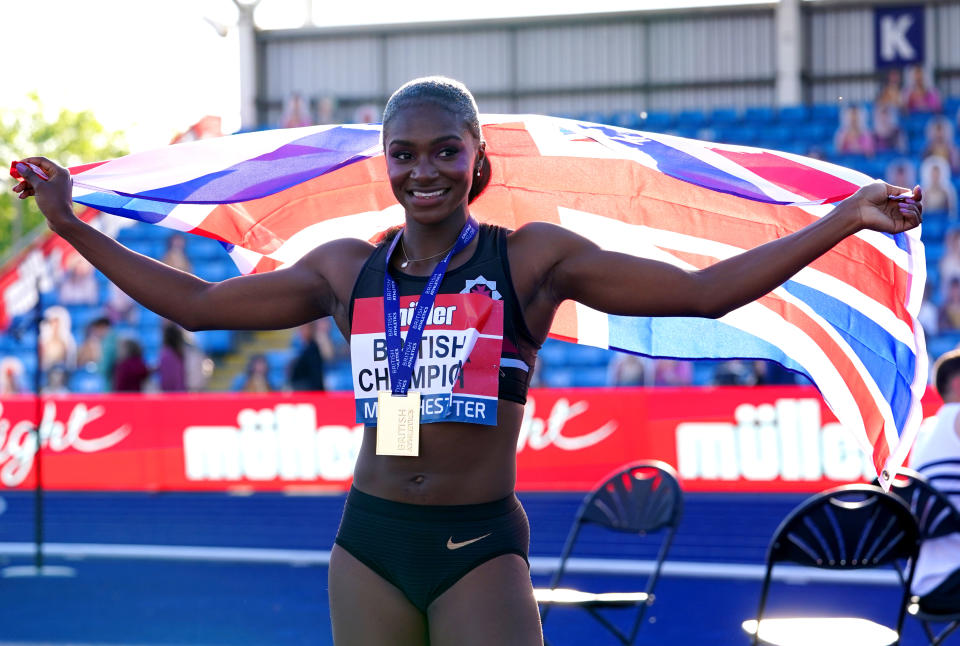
(887, 208)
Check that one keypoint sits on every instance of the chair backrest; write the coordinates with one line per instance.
(849, 527)
(640, 497)
(933, 510)
(846, 528)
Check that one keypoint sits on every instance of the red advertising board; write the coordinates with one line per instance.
(719, 439)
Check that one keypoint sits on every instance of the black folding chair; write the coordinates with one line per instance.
(640, 498)
(846, 528)
(937, 517)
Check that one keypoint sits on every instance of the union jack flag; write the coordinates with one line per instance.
(847, 322)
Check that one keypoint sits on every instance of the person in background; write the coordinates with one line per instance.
(940, 197)
(901, 169)
(627, 369)
(940, 142)
(56, 382)
(929, 315)
(853, 137)
(672, 372)
(171, 373)
(921, 96)
(888, 136)
(936, 456)
(950, 308)
(176, 253)
(949, 267)
(78, 286)
(891, 94)
(257, 377)
(11, 376)
(131, 372)
(57, 345)
(296, 113)
(307, 368)
(98, 351)
(120, 307)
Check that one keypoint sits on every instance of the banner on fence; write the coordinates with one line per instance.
(718, 439)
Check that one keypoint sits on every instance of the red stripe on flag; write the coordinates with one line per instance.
(791, 175)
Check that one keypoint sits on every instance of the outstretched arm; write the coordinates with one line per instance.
(577, 269)
(278, 299)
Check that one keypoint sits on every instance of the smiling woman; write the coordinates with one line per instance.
(432, 546)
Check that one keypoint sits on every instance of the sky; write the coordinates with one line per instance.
(152, 69)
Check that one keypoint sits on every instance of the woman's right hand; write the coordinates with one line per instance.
(54, 195)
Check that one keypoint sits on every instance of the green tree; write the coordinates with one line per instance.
(70, 139)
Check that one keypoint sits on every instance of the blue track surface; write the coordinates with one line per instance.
(137, 601)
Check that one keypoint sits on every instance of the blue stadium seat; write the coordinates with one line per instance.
(724, 117)
(215, 341)
(83, 381)
(587, 356)
(558, 377)
(338, 379)
(759, 115)
(280, 358)
(826, 113)
(658, 121)
(590, 377)
(200, 248)
(793, 114)
(691, 119)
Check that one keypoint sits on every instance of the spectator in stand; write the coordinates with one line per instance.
(56, 382)
(939, 195)
(853, 137)
(197, 366)
(735, 372)
(307, 368)
(672, 372)
(929, 315)
(921, 96)
(296, 113)
(950, 309)
(257, 379)
(901, 169)
(950, 261)
(176, 253)
(11, 376)
(78, 286)
(171, 373)
(98, 350)
(120, 307)
(891, 94)
(888, 136)
(940, 142)
(627, 369)
(131, 372)
(57, 345)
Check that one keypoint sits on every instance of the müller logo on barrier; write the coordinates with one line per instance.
(784, 440)
(18, 445)
(286, 442)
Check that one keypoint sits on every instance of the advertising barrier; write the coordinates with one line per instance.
(719, 439)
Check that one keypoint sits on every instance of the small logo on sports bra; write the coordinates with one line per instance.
(481, 285)
(455, 546)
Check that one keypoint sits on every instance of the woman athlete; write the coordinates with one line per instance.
(432, 547)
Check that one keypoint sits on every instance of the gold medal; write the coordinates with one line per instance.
(398, 423)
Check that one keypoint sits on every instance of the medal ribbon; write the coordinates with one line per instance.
(401, 356)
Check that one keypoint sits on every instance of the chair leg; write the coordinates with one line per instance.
(944, 633)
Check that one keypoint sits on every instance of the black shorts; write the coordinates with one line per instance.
(424, 549)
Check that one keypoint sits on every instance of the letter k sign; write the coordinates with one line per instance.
(894, 45)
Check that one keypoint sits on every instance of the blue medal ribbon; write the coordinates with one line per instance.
(401, 356)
